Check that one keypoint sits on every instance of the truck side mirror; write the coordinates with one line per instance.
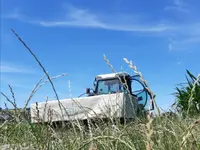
(87, 90)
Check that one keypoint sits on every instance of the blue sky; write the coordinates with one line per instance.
(162, 39)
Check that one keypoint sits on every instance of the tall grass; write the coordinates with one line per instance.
(168, 133)
(161, 132)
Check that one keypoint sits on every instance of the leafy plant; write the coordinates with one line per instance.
(188, 96)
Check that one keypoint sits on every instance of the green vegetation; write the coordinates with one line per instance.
(169, 131)
(188, 96)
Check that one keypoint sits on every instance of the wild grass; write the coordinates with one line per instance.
(167, 131)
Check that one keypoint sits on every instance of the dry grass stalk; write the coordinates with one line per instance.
(125, 84)
(40, 64)
(188, 133)
(152, 95)
(197, 122)
(38, 61)
(149, 131)
(16, 110)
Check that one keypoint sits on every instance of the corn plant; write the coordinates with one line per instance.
(188, 96)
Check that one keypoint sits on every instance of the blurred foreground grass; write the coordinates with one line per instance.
(168, 133)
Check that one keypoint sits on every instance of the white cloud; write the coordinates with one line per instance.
(75, 17)
(84, 18)
(15, 14)
(13, 68)
(181, 33)
(184, 38)
(178, 5)
(102, 25)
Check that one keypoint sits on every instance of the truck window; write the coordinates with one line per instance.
(109, 86)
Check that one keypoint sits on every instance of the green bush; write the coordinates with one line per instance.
(188, 96)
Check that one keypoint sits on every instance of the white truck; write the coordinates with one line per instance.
(116, 95)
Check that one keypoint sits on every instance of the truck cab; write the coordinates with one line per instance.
(121, 82)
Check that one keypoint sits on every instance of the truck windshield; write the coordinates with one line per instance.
(109, 86)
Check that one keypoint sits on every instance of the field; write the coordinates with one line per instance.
(160, 133)
(166, 131)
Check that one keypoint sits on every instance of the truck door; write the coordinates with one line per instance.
(138, 89)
